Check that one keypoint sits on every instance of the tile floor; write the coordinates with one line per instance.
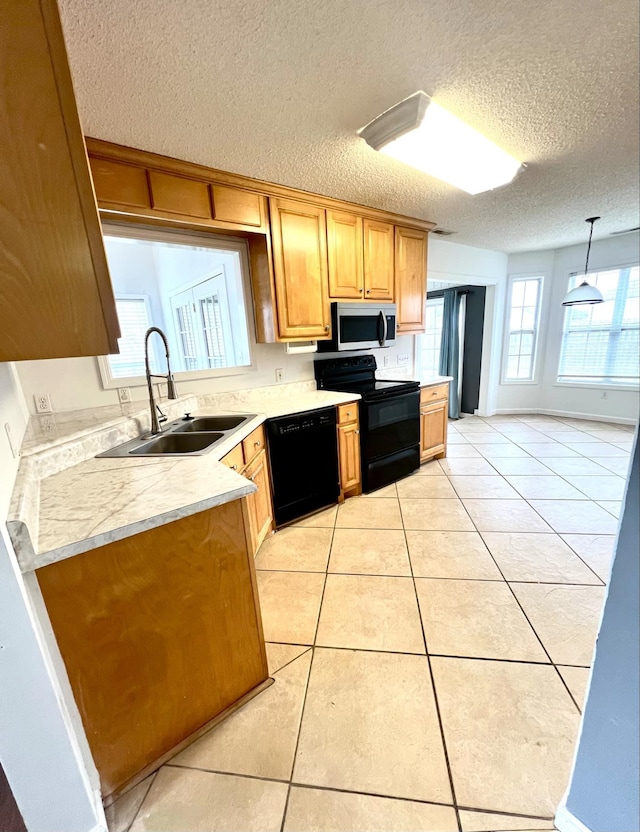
(430, 645)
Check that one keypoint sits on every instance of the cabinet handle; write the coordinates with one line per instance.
(361, 289)
(234, 467)
(357, 432)
(256, 444)
(326, 329)
(252, 478)
(368, 291)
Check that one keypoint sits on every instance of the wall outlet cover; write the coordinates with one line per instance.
(279, 375)
(403, 359)
(124, 394)
(387, 361)
(43, 403)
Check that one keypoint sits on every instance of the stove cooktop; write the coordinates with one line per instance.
(356, 374)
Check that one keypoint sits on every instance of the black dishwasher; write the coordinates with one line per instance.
(303, 451)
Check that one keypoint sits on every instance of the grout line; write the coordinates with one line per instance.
(291, 661)
(244, 775)
(152, 778)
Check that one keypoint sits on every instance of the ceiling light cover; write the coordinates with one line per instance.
(421, 133)
(585, 293)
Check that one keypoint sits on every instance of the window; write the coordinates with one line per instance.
(429, 343)
(522, 331)
(193, 287)
(601, 343)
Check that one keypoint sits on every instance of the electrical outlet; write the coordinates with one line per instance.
(43, 403)
(279, 375)
(124, 394)
(47, 423)
(605, 395)
(403, 359)
(387, 361)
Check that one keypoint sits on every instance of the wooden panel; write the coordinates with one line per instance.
(237, 206)
(378, 260)
(298, 232)
(234, 459)
(434, 394)
(411, 278)
(178, 195)
(349, 449)
(345, 253)
(55, 293)
(253, 444)
(433, 430)
(120, 184)
(159, 633)
(259, 503)
(347, 413)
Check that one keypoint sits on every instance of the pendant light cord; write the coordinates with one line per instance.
(592, 220)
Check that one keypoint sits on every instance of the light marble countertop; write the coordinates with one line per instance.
(67, 502)
(429, 381)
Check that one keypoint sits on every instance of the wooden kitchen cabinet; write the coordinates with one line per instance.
(299, 245)
(346, 255)
(411, 279)
(259, 503)
(378, 260)
(56, 298)
(160, 634)
(434, 414)
(349, 449)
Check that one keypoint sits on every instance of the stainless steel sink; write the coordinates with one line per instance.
(183, 437)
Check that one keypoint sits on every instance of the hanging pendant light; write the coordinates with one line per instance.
(585, 293)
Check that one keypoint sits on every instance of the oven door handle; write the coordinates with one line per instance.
(382, 341)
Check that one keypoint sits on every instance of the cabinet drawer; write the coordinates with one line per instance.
(234, 459)
(253, 444)
(434, 394)
(347, 413)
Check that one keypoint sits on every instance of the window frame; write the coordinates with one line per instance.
(590, 385)
(535, 372)
(163, 234)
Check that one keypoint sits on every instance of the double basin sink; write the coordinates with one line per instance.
(184, 437)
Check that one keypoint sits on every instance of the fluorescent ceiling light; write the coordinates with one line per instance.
(421, 133)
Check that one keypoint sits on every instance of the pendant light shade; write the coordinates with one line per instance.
(585, 293)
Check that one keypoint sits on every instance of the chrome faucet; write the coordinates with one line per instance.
(171, 385)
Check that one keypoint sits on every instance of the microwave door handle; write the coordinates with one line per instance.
(382, 341)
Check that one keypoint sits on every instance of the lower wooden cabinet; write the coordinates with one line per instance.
(433, 422)
(259, 503)
(349, 450)
(160, 634)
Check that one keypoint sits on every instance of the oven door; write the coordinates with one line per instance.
(389, 425)
(364, 326)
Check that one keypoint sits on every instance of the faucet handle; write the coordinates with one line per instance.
(187, 417)
(163, 416)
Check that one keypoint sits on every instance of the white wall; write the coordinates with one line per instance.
(545, 394)
(13, 415)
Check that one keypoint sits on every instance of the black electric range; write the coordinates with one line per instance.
(389, 417)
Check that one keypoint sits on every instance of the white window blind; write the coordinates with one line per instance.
(429, 351)
(601, 342)
(522, 334)
(133, 315)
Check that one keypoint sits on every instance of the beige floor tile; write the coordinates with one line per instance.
(483, 488)
(468, 468)
(609, 435)
(594, 450)
(614, 507)
(450, 555)
(296, 549)
(290, 603)
(279, 655)
(322, 810)
(186, 800)
(576, 516)
(370, 725)
(324, 519)
(122, 811)
(501, 451)
(259, 738)
(579, 465)
(478, 619)
(510, 743)
(463, 451)
(534, 487)
(486, 822)
(435, 515)
(617, 465)
(577, 437)
(576, 679)
(545, 450)
(504, 515)
(522, 434)
(595, 549)
(566, 618)
(492, 437)
(385, 491)
(537, 557)
(430, 469)
(521, 467)
(363, 513)
(455, 438)
(417, 487)
(368, 612)
(369, 552)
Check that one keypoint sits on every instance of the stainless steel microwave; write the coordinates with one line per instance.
(360, 326)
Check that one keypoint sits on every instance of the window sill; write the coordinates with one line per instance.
(598, 386)
(508, 382)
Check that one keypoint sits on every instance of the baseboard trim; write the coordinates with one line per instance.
(592, 417)
(566, 821)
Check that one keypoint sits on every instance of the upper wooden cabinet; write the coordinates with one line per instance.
(299, 241)
(411, 278)
(345, 250)
(55, 293)
(378, 260)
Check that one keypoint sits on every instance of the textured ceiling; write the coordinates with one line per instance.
(276, 89)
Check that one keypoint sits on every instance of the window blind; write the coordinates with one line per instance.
(523, 328)
(134, 322)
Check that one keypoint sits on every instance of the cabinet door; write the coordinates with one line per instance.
(345, 249)
(349, 448)
(299, 238)
(378, 260)
(260, 507)
(433, 429)
(411, 278)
